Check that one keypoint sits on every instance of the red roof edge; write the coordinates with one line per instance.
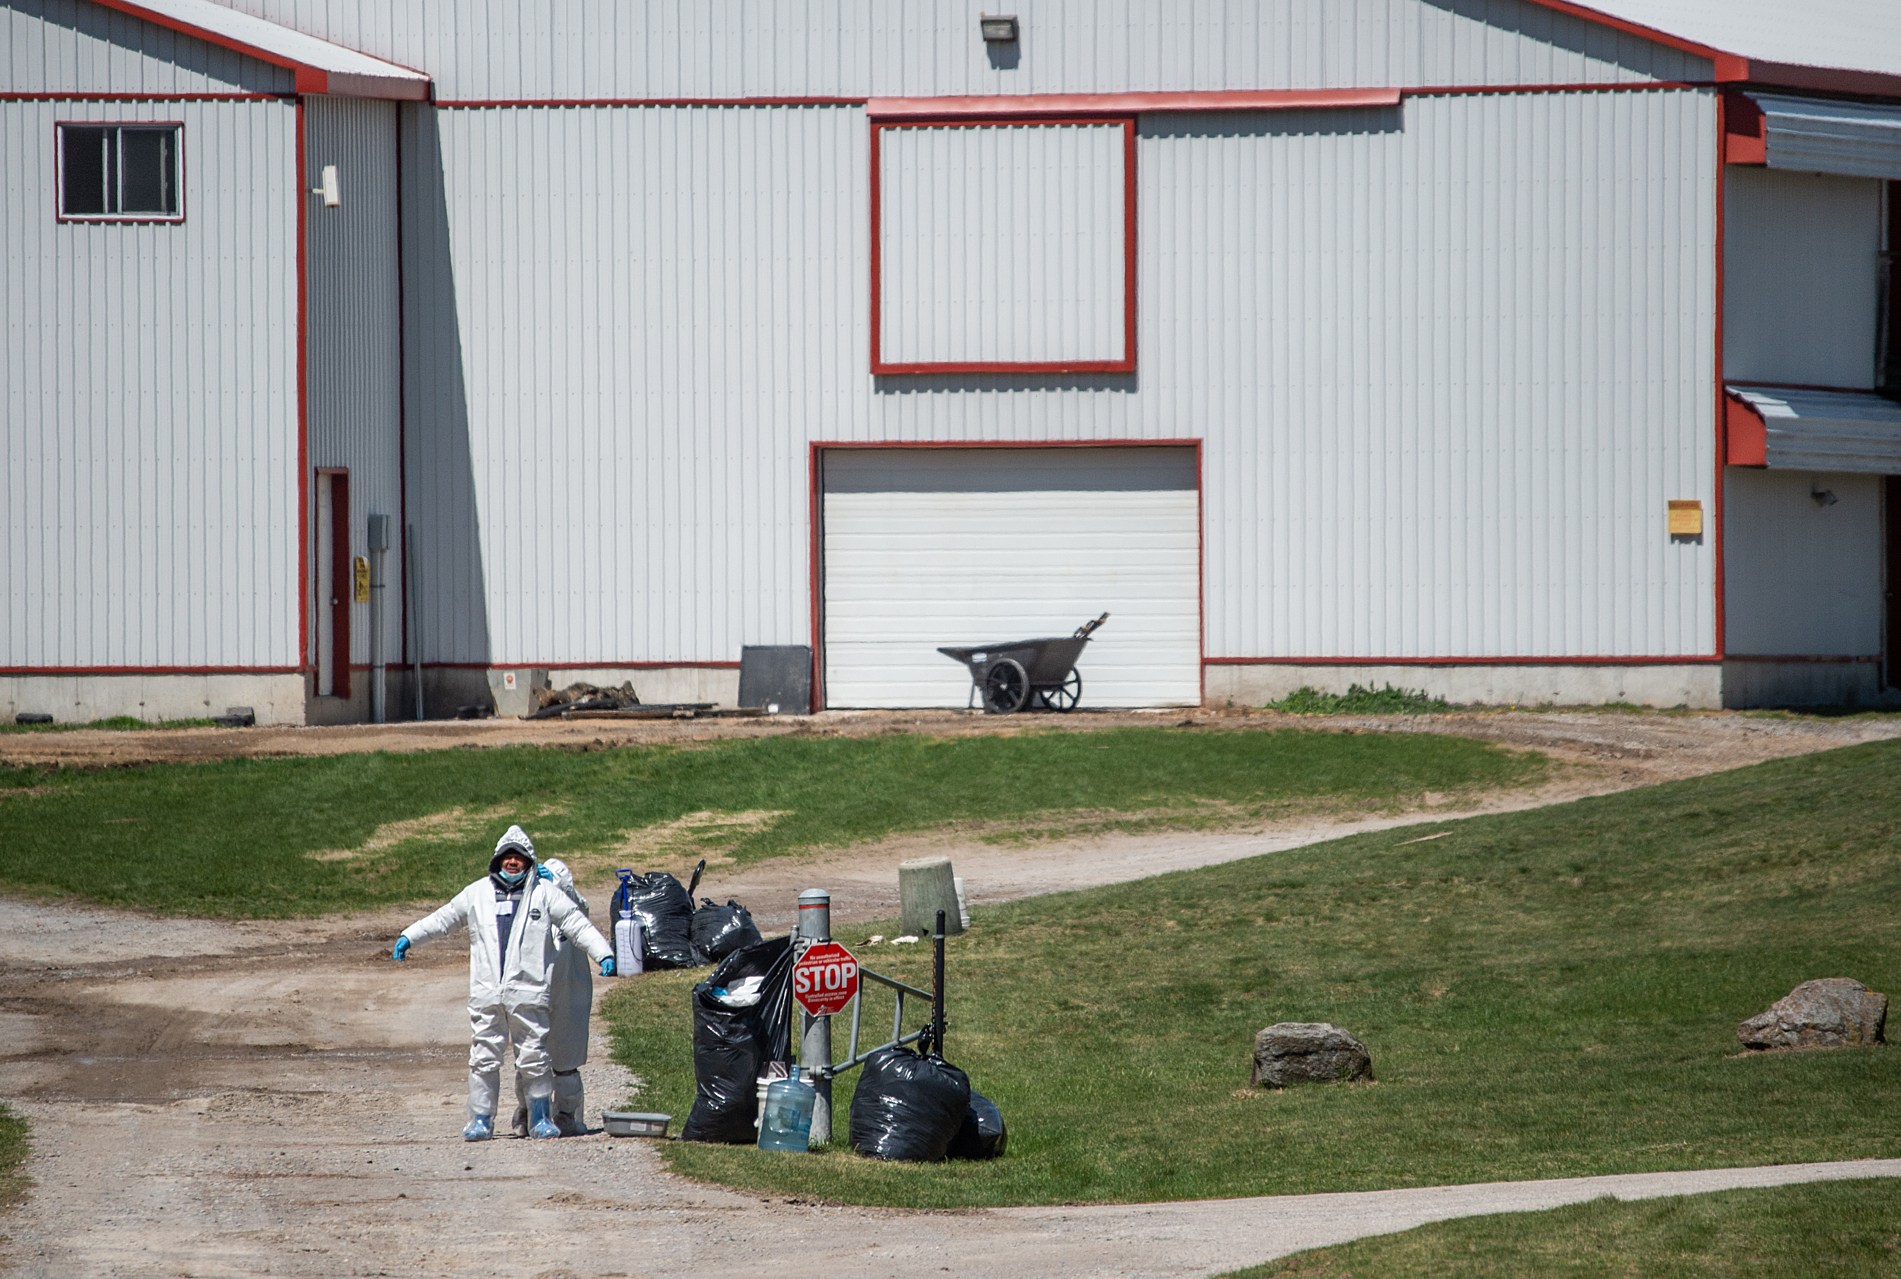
(307, 79)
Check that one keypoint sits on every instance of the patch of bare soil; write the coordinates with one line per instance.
(217, 1099)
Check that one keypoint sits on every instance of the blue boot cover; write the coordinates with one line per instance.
(481, 1128)
(540, 1124)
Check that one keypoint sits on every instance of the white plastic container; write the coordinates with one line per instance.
(626, 946)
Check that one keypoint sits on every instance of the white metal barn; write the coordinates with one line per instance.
(1518, 350)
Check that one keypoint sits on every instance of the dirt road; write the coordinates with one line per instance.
(216, 1099)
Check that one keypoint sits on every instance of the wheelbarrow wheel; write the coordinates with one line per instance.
(1006, 687)
(1063, 696)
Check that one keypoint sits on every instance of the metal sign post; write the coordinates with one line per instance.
(815, 1039)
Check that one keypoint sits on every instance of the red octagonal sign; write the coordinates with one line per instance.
(824, 979)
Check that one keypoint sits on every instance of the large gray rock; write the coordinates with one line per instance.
(1307, 1052)
(1835, 1012)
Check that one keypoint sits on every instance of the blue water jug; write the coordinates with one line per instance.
(787, 1122)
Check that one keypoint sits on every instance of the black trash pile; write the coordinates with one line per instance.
(742, 1022)
(674, 933)
(918, 1107)
(550, 702)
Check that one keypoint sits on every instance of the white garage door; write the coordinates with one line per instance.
(925, 547)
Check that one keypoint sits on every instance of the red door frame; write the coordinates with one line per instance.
(342, 581)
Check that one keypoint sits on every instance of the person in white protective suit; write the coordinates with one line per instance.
(571, 1002)
(513, 914)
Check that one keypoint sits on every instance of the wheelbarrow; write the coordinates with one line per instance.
(1010, 672)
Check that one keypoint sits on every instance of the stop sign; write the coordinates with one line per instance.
(824, 979)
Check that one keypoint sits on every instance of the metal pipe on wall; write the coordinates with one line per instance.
(379, 667)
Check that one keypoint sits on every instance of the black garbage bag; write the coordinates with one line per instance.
(719, 930)
(982, 1134)
(907, 1106)
(731, 1046)
(665, 912)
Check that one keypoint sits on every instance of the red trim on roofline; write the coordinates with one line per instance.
(1745, 435)
(477, 104)
(305, 77)
(1665, 660)
(150, 670)
(1118, 104)
(1651, 34)
(144, 97)
(1125, 363)
(580, 666)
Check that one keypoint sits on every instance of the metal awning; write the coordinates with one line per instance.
(319, 65)
(1791, 429)
(1815, 135)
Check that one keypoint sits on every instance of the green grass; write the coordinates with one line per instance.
(275, 837)
(1844, 1229)
(1360, 700)
(1544, 994)
(116, 723)
(13, 1148)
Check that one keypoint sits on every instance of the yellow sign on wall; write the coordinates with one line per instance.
(360, 569)
(1686, 519)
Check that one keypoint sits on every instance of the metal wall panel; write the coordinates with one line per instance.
(1802, 273)
(510, 49)
(1450, 361)
(1002, 243)
(73, 46)
(355, 333)
(1804, 579)
(624, 325)
(148, 499)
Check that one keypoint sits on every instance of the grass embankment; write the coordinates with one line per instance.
(1552, 993)
(1844, 1229)
(12, 1156)
(270, 838)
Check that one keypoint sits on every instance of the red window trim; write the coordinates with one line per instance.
(115, 219)
(1125, 363)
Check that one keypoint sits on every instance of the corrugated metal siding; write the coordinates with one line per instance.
(355, 332)
(1802, 579)
(148, 500)
(507, 49)
(625, 324)
(1801, 258)
(1849, 138)
(1450, 362)
(72, 46)
(1809, 430)
(1459, 367)
(1002, 243)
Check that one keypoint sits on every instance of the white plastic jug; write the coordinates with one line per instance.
(626, 946)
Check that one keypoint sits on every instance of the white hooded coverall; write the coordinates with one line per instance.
(510, 993)
(571, 1002)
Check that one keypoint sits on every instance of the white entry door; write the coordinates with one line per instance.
(930, 546)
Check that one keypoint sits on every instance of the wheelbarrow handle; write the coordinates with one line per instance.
(1084, 631)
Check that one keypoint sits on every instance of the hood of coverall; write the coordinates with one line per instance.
(514, 839)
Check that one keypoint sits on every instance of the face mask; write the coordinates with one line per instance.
(512, 880)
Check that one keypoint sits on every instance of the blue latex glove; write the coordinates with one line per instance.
(401, 950)
(607, 966)
(544, 872)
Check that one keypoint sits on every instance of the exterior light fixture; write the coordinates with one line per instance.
(998, 28)
(1820, 496)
